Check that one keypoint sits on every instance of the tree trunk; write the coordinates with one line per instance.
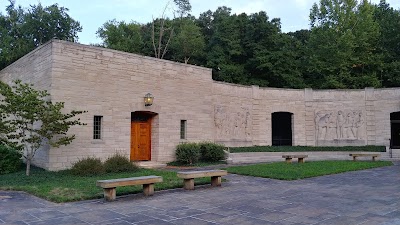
(28, 166)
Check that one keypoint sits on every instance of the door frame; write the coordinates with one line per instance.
(394, 126)
(139, 117)
(281, 142)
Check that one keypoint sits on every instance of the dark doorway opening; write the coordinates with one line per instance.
(282, 129)
(395, 130)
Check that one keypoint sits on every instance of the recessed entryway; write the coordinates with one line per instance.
(141, 122)
(395, 130)
(282, 128)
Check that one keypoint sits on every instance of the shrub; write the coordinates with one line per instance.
(119, 163)
(89, 166)
(10, 160)
(211, 152)
(188, 153)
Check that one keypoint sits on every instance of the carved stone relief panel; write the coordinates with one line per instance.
(339, 125)
(232, 123)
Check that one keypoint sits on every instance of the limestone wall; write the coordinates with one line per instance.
(281, 100)
(233, 114)
(112, 84)
(337, 117)
(383, 102)
(34, 68)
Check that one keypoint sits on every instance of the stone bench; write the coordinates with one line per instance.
(288, 158)
(364, 155)
(190, 175)
(110, 185)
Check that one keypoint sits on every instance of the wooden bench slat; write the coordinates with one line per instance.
(129, 181)
(198, 174)
(294, 156)
(364, 154)
(188, 177)
(355, 155)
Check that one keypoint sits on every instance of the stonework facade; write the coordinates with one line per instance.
(112, 84)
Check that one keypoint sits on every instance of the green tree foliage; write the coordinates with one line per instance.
(122, 36)
(188, 42)
(183, 7)
(23, 30)
(351, 43)
(13, 43)
(389, 43)
(34, 121)
(341, 49)
(45, 23)
(10, 160)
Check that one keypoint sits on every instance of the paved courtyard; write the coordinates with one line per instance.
(363, 197)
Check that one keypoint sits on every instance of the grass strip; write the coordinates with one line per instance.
(198, 164)
(62, 186)
(368, 148)
(295, 171)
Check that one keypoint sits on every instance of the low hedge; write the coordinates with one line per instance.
(368, 148)
(10, 160)
(188, 153)
(89, 166)
(211, 152)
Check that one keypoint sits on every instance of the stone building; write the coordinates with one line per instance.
(189, 106)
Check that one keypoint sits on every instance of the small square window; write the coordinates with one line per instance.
(97, 127)
(183, 129)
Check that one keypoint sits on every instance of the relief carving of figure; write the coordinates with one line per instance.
(247, 127)
(232, 123)
(322, 125)
(331, 130)
(340, 125)
(358, 124)
(340, 120)
(348, 126)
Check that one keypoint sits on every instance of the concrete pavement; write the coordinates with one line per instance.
(362, 197)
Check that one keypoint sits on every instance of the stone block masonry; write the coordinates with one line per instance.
(112, 84)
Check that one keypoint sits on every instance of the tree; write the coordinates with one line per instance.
(41, 24)
(163, 29)
(389, 43)
(122, 36)
(342, 45)
(13, 42)
(161, 45)
(184, 7)
(21, 31)
(188, 42)
(34, 121)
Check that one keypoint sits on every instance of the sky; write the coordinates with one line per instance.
(93, 14)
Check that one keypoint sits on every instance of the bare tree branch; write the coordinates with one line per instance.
(152, 38)
(169, 39)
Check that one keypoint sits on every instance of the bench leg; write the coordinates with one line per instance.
(288, 160)
(110, 194)
(188, 184)
(354, 158)
(216, 181)
(301, 160)
(148, 189)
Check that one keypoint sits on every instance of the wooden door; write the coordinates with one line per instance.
(140, 141)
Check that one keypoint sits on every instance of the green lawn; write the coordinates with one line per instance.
(198, 164)
(64, 187)
(369, 148)
(294, 171)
